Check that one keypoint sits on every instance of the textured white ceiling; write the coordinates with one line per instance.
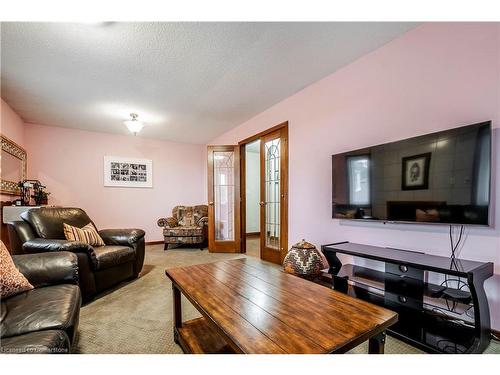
(188, 82)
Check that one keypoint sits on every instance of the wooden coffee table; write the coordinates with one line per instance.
(250, 306)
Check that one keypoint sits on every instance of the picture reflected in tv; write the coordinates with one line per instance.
(442, 177)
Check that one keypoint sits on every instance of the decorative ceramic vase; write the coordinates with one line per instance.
(304, 260)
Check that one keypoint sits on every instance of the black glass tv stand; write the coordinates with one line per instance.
(434, 316)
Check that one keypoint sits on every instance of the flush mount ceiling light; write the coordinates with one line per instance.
(134, 125)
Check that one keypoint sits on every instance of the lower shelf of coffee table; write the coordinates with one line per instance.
(198, 337)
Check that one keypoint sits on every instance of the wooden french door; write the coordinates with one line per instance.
(224, 199)
(274, 195)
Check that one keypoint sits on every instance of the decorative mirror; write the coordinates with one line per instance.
(13, 166)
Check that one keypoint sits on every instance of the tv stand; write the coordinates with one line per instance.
(433, 316)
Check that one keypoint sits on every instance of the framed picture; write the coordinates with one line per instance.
(128, 172)
(415, 174)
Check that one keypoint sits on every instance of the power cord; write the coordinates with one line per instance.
(460, 284)
(454, 244)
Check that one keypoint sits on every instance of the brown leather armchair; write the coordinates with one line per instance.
(188, 225)
(99, 267)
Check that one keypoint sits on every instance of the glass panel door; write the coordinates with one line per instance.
(224, 199)
(224, 195)
(272, 196)
(273, 205)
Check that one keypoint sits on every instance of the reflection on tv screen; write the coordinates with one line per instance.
(441, 177)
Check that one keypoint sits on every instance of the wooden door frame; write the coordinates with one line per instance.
(284, 127)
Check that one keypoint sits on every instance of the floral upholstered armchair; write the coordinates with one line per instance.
(188, 225)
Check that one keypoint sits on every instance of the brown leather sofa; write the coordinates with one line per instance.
(100, 268)
(44, 319)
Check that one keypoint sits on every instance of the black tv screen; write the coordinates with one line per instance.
(442, 177)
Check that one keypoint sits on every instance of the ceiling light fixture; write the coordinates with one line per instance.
(134, 125)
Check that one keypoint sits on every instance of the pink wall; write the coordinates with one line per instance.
(70, 163)
(11, 126)
(434, 77)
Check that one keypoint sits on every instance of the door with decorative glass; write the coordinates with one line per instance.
(273, 195)
(224, 199)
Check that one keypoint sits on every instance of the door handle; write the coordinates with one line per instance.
(262, 203)
(210, 203)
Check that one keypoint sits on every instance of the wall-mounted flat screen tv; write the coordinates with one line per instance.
(438, 178)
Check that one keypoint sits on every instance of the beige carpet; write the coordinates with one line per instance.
(136, 317)
(253, 246)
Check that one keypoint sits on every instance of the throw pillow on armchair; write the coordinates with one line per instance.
(88, 234)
